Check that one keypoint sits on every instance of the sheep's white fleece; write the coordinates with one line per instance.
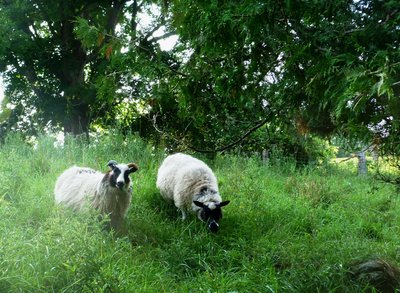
(182, 177)
(79, 188)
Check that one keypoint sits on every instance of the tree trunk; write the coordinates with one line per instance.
(79, 96)
(76, 122)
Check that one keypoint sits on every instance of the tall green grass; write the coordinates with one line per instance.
(285, 230)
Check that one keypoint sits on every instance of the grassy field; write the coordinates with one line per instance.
(285, 230)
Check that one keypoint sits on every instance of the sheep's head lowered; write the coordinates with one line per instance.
(119, 174)
(192, 186)
(211, 213)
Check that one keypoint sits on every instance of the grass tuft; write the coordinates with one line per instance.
(285, 230)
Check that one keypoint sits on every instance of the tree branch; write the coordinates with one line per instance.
(114, 13)
(134, 10)
(356, 155)
(112, 20)
(164, 36)
(153, 54)
(154, 29)
(232, 144)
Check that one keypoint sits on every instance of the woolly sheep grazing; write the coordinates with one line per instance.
(192, 186)
(109, 193)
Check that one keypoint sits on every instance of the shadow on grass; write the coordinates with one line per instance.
(154, 222)
(166, 209)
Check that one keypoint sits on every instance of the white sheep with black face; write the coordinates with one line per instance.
(109, 193)
(192, 186)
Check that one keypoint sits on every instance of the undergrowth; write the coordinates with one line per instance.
(285, 230)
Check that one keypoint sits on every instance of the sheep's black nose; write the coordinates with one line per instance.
(120, 184)
(213, 226)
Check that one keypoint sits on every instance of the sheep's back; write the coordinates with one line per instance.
(181, 176)
(76, 185)
(166, 177)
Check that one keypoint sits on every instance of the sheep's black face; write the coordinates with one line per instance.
(211, 215)
(118, 180)
(119, 175)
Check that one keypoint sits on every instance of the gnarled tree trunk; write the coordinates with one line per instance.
(77, 121)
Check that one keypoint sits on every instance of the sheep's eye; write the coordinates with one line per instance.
(215, 214)
(117, 171)
(126, 176)
(204, 215)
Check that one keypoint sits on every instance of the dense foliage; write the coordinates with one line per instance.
(284, 230)
(259, 74)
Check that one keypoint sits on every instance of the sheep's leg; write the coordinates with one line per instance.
(183, 215)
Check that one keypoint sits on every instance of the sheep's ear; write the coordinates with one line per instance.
(132, 167)
(112, 164)
(199, 204)
(223, 203)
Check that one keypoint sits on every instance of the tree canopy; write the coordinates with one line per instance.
(263, 72)
(46, 65)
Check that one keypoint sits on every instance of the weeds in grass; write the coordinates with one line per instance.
(286, 230)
